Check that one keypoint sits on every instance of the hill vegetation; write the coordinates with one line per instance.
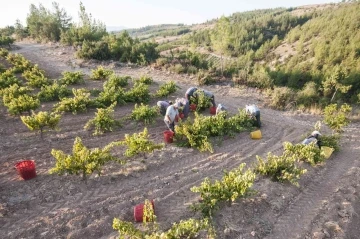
(301, 56)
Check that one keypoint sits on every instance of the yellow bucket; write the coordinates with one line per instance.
(327, 151)
(256, 134)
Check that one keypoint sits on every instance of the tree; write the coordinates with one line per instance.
(20, 31)
(220, 37)
(333, 84)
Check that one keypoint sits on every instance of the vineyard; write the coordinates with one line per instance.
(98, 145)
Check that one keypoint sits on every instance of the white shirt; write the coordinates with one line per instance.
(171, 112)
(252, 109)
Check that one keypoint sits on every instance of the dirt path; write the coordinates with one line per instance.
(51, 206)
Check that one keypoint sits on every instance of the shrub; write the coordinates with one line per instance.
(23, 103)
(309, 153)
(260, 79)
(98, 50)
(7, 79)
(234, 184)
(337, 117)
(205, 79)
(35, 77)
(100, 73)
(139, 143)
(178, 68)
(184, 229)
(192, 70)
(82, 161)
(53, 92)
(72, 78)
(41, 120)
(147, 80)
(144, 113)
(281, 97)
(3, 52)
(162, 61)
(79, 103)
(308, 95)
(201, 100)
(110, 95)
(139, 94)
(13, 91)
(116, 81)
(280, 168)
(331, 141)
(166, 89)
(104, 120)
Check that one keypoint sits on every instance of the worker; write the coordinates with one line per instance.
(314, 137)
(220, 108)
(254, 112)
(186, 106)
(171, 113)
(190, 92)
(163, 105)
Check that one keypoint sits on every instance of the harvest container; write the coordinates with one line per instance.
(327, 151)
(139, 211)
(26, 169)
(193, 107)
(213, 110)
(256, 134)
(168, 136)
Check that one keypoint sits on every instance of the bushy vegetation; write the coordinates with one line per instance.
(38, 121)
(53, 92)
(79, 103)
(100, 73)
(72, 78)
(103, 121)
(166, 89)
(144, 113)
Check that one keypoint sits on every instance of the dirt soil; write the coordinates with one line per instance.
(325, 205)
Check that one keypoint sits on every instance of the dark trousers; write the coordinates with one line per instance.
(257, 119)
(171, 126)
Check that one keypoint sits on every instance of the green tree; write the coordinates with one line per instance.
(333, 84)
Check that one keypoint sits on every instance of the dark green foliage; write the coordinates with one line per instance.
(53, 92)
(72, 78)
(332, 141)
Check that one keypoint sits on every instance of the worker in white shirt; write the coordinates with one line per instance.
(254, 111)
(314, 137)
(171, 113)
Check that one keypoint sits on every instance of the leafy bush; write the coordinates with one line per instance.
(178, 68)
(3, 52)
(79, 103)
(97, 50)
(234, 184)
(147, 80)
(7, 79)
(35, 77)
(204, 78)
(116, 81)
(20, 64)
(337, 118)
(280, 168)
(13, 91)
(197, 133)
(82, 161)
(166, 89)
(53, 92)
(139, 143)
(201, 100)
(110, 95)
(281, 97)
(309, 153)
(104, 120)
(41, 120)
(72, 78)
(100, 73)
(139, 94)
(184, 229)
(144, 113)
(331, 141)
(23, 103)
(308, 95)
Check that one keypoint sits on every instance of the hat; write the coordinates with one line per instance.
(314, 133)
(177, 104)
